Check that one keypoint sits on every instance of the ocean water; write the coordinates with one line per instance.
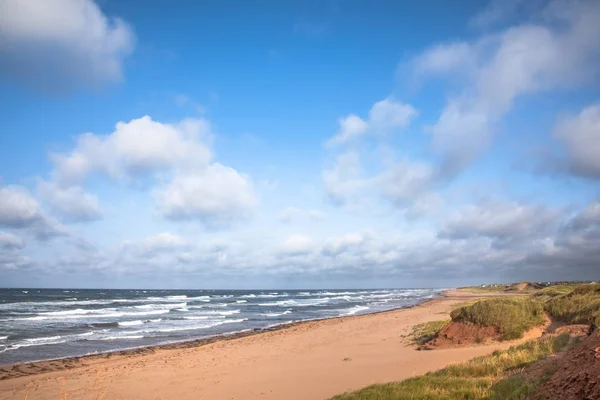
(39, 324)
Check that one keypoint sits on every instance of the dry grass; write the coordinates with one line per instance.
(511, 316)
(423, 333)
(482, 378)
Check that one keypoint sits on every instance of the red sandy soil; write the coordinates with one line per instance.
(461, 334)
(577, 375)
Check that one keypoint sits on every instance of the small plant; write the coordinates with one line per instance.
(423, 333)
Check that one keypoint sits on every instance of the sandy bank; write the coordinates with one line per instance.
(311, 360)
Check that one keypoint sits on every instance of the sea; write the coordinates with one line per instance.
(41, 324)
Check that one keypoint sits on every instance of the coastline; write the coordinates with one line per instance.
(353, 350)
(189, 343)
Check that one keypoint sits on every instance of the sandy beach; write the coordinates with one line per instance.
(310, 360)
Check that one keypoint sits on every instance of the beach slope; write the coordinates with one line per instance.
(311, 360)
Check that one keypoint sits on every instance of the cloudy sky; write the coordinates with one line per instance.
(277, 144)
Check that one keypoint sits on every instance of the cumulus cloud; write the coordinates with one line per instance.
(298, 244)
(19, 210)
(520, 60)
(176, 156)
(72, 203)
(405, 184)
(337, 245)
(580, 135)
(500, 220)
(135, 148)
(216, 195)
(384, 116)
(60, 44)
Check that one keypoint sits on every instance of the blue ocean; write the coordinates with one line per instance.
(40, 324)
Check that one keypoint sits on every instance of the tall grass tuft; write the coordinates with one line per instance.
(511, 316)
(581, 305)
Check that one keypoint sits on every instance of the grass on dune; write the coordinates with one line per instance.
(511, 316)
(423, 333)
(581, 305)
(480, 289)
(481, 378)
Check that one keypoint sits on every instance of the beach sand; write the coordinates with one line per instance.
(309, 360)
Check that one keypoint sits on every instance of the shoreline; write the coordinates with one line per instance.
(192, 343)
(301, 361)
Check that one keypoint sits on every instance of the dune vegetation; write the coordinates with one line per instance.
(488, 377)
(580, 305)
(423, 333)
(512, 317)
(499, 375)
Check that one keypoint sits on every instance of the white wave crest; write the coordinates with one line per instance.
(131, 323)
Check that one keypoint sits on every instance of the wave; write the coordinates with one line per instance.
(92, 315)
(194, 327)
(131, 323)
(248, 296)
(197, 317)
(356, 309)
(297, 303)
(241, 301)
(199, 298)
(159, 306)
(3, 337)
(277, 314)
(181, 297)
(122, 337)
(229, 312)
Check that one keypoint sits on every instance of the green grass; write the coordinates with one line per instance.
(482, 378)
(423, 333)
(580, 305)
(511, 316)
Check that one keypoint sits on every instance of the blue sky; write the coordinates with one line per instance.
(298, 144)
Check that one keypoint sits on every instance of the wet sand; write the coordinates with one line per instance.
(307, 360)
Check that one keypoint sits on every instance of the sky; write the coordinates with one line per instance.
(298, 144)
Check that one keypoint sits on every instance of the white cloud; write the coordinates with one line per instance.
(17, 207)
(62, 43)
(177, 156)
(405, 184)
(137, 147)
(160, 242)
(384, 116)
(500, 220)
(456, 57)
(216, 195)
(19, 210)
(298, 244)
(337, 245)
(72, 203)
(581, 137)
(518, 61)
(10, 241)
(405, 181)
(344, 179)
